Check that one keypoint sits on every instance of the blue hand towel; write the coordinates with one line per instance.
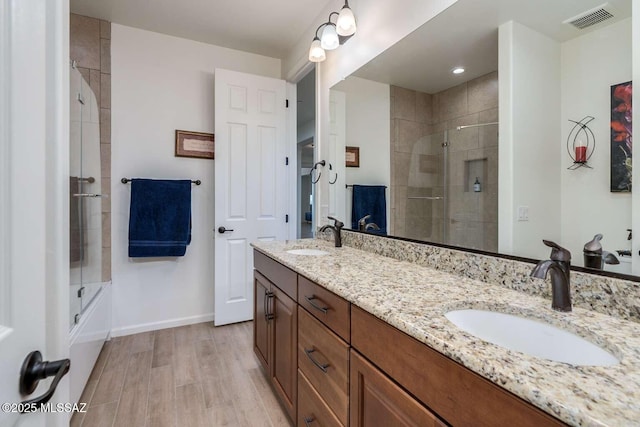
(369, 200)
(159, 218)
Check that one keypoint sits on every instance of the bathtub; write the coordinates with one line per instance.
(87, 337)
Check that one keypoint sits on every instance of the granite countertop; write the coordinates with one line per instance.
(414, 299)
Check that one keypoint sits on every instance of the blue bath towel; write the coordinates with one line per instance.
(159, 218)
(369, 200)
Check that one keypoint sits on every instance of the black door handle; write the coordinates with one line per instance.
(34, 369)
(223, 230)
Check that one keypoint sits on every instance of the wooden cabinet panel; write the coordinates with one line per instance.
(457, 394)
(325, 306)
(377, 401)
(281, 276)
(324, 360)
(312, 410)
(284, 348)
(261, 290)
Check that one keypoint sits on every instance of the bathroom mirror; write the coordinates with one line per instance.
(484, 159)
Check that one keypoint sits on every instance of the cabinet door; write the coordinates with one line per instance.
(261, 292)
(284, 349)
(377, 401)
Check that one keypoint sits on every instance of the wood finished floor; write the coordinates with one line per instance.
(195, 375)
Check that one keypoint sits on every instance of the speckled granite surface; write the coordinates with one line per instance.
(414, 298)
(607, 295)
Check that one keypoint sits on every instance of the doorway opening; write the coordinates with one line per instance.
(306, 135)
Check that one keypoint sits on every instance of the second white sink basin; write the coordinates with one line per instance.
(531, 337)
(309, 252)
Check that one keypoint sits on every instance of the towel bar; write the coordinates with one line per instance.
(127, 180)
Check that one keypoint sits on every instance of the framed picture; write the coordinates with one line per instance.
(194, 144)
(621, 131)
(352, 157)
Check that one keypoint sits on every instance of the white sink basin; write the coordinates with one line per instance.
(531, 337)
(309, 252)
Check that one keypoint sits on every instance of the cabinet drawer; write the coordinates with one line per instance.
(312, 410)
(324, 359)
(326, 306)
(457, 394)
(277, 273)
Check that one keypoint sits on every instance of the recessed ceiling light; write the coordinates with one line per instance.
(458, 70)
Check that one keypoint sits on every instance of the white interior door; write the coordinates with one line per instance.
(32, 126)
(251, 188)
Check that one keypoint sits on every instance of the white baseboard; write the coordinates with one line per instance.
(163, 324)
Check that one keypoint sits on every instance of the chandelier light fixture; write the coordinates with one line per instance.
(333, 34)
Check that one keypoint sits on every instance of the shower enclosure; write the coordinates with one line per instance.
(85, 207)
(452, 188)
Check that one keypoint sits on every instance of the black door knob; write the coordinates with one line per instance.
(223, 230)
(34, 369)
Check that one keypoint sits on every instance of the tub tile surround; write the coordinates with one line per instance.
(414, 298)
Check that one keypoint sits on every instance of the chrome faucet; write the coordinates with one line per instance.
(560, 267)
(336, 228)
(363, 226)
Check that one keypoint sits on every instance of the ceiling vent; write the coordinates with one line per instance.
(591, 17)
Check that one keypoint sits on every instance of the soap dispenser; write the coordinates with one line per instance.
(476, 186)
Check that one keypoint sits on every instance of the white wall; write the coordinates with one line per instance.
(368, 122)
(160, 84)
(529, 153)
(590, 65)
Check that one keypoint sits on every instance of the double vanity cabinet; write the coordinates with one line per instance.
(333, 364)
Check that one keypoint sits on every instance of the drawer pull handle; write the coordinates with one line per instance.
(308, 421)
(267, 296)
(320, 366)
(265, 306)
(317, 307)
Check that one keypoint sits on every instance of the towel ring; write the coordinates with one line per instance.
(320, 163)
(334, 181)
(311, 175)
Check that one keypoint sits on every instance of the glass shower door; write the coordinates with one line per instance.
(470, 164)
(423, 215)
(447, 190)
(76, 246)
(85, 207)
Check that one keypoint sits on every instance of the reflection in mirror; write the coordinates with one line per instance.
(306, 130)
(431, 136)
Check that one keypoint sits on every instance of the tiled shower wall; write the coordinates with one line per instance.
(418, 125)
(90, 47)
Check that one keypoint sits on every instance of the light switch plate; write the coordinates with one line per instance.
(523, 213)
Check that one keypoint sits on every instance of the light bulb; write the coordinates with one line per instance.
(346, 24)
(329, 40)
(316, 52)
